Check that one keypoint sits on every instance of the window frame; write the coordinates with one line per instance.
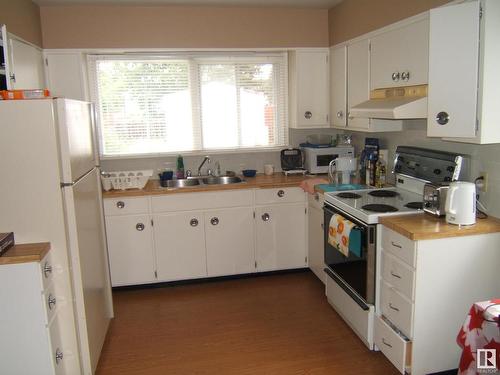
(195, 58)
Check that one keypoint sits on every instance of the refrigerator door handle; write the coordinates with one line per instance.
(73, 183)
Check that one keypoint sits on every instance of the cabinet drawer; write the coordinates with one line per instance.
(394, 347)
(126, 206)
(398, 274)
(203, 200)
(400, 246)
(397, 309)
(279, 195)
(57, 351)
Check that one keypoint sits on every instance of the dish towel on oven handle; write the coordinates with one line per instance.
(344, 236)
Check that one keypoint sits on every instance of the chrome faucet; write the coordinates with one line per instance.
(205, 159)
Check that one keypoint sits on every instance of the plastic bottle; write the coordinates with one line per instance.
(380, 173)
(180, 167)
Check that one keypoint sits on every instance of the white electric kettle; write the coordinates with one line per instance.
(460, 204)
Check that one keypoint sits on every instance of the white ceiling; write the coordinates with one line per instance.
(323, 4)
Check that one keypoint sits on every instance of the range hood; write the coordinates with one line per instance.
(398, 103)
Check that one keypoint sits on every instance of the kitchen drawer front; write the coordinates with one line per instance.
(395, 348)
(400, 246)
(279, 195)
(203, 200)
(316, 200)
(398, 274)
(57, 350)
(397, 309)
(126, 206)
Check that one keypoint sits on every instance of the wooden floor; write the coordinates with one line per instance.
(279, 324)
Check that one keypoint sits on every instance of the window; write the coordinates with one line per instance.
(161, 105)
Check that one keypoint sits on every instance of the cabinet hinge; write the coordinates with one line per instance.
(305, 259)
(46, 62)
(152, 222)
(477, 125)
(254, 214)
(327, 59)
(481, 12)
(156, 275)
(305, 210)
(13, 77)
(256, 264)
(327, 118)
(370, 46)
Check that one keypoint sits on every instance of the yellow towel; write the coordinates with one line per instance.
(338, 233)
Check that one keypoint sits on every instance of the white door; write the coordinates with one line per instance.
(338, 86)
(130, 248)
(89, 270)
(316, 257)
(312, 89)
(358, 80)
(65, 73)
(180, 245)
(453, 70)
(27, 65)
(230, 241)
(403, 50)
(281, 237)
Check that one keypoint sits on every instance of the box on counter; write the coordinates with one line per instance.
(6, 242)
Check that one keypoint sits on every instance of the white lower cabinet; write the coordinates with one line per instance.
(281, 239)
(230, 241)
(180, 245)
(130, 249)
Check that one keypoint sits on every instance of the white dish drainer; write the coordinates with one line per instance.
(123, 180)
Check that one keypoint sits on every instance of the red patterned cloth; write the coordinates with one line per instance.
(481, 330)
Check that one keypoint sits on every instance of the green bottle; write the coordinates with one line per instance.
(180, 167)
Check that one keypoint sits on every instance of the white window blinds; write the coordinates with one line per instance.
(149, 105)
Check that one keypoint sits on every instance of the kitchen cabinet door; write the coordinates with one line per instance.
(309, 89)
(281, 237)
(66, 75)
(400, 57)
(130, 249)
(338, 86)
(26, 65)
(230, 241)
(180, 246)
(358, 80)
(315, 241)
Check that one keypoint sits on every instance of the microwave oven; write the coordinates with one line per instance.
(318, 159)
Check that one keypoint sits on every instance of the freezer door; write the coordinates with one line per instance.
(74, 119)
(90, 271)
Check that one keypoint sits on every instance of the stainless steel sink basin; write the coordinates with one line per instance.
(182, 183)
(222, 180)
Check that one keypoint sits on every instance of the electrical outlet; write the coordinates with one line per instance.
(483, 184)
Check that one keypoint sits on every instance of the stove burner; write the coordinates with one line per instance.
(415, 205)
(383, 193)
(349, 195)
(379, 208)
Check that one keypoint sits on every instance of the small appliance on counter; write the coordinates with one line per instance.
(292, 161)
(317, 159)
(6, 242)
(342, 170)
(435, 198)
(460, 203)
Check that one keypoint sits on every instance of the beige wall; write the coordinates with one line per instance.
(107, 26)
(352, 18)
(22, 18)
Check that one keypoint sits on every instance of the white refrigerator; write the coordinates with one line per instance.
(50, 192)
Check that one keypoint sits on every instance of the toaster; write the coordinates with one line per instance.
(435, 198)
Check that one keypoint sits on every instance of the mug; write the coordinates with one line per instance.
(268, 169)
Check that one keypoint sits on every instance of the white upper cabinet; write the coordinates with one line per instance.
(464, 79)
(358, 78)
(399, 57)
(309, 88)
(338, 86)
(66, 75)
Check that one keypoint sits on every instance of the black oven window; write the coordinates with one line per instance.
(324, 160)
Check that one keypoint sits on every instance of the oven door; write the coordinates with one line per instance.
(356, 275)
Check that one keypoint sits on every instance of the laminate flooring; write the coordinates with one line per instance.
(273, 324)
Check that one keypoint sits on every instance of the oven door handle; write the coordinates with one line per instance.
(348, 290)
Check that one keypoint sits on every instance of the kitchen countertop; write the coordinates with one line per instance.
(25, 253)
(426, 227)
(277, 180)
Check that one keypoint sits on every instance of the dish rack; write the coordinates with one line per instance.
(123, 180)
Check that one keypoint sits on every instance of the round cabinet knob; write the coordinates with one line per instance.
(51, 301)
(281, 193)
(308, 114)
(450, 168)
(437, 171)
(140, 227)
(340, 114)
(193, 222)
(405, 76)
(395, 76)
(120, 204)
(442, 118)
(214, 221)
(47, 269)
(59, 356)
(266, 217)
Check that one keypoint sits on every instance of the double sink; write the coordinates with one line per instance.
(204, 180)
